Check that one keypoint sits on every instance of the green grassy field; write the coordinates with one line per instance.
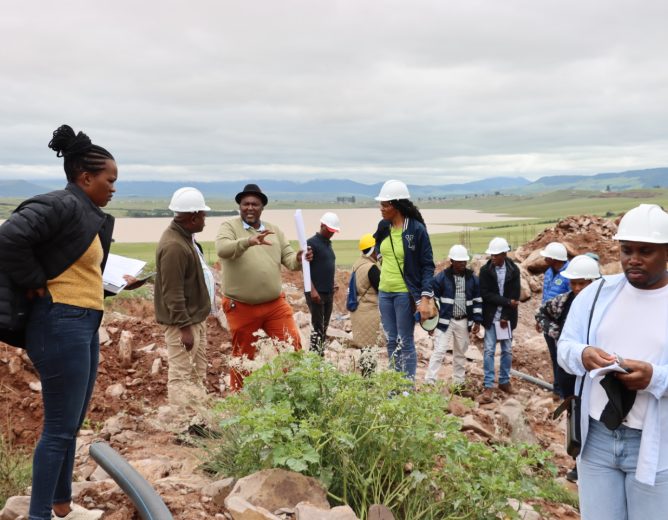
(541, 211)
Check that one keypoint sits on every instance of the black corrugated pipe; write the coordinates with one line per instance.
(531, 379)
(148, 503)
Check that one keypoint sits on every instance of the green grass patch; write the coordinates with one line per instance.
(371, 440)
(15, 470)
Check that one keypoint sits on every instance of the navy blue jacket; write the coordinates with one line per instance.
(418, 265)
(444, 290)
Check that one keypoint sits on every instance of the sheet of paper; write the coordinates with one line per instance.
(604, 370)
(116, 267)
(502, 333)
(301, 236)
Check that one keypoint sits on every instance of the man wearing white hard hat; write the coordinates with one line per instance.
(500, 291)
(554, 284)
(619, 327)
(458, 291)
(184, 297)
(323, 285)
(581, 271)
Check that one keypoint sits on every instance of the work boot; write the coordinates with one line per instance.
(505, 387)
(487, 396)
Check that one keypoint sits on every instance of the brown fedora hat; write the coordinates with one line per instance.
(251, 189)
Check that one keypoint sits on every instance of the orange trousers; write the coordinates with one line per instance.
(274, 317)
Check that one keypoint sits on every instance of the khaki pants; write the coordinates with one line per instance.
(457, 335)
(187, 370)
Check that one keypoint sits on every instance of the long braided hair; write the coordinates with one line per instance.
(79, 153)
(408, 210)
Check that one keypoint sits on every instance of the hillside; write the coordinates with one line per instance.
(330, 189)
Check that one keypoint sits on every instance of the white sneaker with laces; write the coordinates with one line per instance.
(80, 513)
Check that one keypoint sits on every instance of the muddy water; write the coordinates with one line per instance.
(354, 223)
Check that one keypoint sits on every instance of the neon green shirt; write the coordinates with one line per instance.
(390, 275)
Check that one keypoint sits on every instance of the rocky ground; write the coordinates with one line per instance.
(129, 409)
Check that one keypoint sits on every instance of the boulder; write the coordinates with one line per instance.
(219, 490)
(241, 509)
(125, 349)
(380, 512)
(272, 489)
(512, 412)
(306, 511)
(15, 507)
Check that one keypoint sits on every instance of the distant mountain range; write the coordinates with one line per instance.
(329, 189)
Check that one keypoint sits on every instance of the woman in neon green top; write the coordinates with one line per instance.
(406, 275)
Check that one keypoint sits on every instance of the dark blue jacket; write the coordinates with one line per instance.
(491, 298)
(418, 265)
(444, 290)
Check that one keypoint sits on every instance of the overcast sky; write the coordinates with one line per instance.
(427, 91)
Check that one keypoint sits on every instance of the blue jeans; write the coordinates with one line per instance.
(396, 315)
(488, 358)
(62, 343)
(606, 478)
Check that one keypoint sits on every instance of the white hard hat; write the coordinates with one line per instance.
(331, 221)
(556, 251)
(458, 253)
(497, 245)
(188, 200)
(431, 323)
(393, 190)
(582, 267)
(646, 223)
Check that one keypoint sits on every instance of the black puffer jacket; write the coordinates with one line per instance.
(48, 233)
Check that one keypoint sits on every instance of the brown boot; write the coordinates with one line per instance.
(505, 387)
(487, 396)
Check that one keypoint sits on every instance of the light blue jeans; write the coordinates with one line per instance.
(606, 478)
(396, 314)
(488, 358)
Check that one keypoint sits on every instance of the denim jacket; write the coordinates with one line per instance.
(444, 290)
(418, 265)
(654, 441)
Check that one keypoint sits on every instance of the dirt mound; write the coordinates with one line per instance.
(580, 234)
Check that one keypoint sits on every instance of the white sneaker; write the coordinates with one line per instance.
(80, 513)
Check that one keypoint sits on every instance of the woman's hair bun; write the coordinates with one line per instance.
(66, 143)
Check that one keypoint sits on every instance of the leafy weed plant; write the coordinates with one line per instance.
(370, 440)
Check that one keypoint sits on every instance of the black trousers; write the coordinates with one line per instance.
(320, 315)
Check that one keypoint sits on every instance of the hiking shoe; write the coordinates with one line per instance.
(505, 387)
(487, 396)
(572, 475)
(80, 513)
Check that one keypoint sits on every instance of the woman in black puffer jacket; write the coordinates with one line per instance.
(54, 247)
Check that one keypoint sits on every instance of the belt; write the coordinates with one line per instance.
(459, 317)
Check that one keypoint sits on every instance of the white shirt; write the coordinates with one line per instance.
(633, 327)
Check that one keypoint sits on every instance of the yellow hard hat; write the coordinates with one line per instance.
(366, 242)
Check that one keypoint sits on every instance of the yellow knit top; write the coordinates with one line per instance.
(81, 283)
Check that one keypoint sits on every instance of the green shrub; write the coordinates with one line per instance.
(15, 469)
(370, 440)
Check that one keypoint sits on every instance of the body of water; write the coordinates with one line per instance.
(354, 223)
